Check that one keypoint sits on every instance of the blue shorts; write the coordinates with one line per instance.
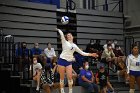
(63, 62)
(135, 73)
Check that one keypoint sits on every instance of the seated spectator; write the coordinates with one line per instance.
(120, 57)
(114, 43)
(90, 47)
(47, 79)
(120, 62)
(50, 53)
(108, 42)
(43, 60)
(36, 50)
(108, 55)
(22, 51)
(23, 56)
(37, 70)
(98, 46)
(56, 73)
(86, 79)
(119, 53)
(103, 80)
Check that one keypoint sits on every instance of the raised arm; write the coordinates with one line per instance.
(61, 34)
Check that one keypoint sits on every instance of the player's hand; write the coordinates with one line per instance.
(56, 29)
(94, 55)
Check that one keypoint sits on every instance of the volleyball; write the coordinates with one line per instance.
(65, 20)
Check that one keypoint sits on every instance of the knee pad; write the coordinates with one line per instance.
(70, 82)
(131, 90)
(61, 82)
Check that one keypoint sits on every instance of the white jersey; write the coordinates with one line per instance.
(69, 48)
(133, 63)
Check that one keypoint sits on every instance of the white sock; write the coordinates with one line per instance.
(62, 90)
(70, 90)
(37, 88)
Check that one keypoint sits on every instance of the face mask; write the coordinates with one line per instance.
(109, 47)
(115, 42)
(87, 67)
(24, 46)
(36, 46)
(35, 61)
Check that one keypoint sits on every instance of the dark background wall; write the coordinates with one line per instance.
(35, 22)
(102, 25)
(30, 22)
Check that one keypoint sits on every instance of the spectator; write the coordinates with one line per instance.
(120, 63)
(36, 50)
(103, 80)
(108, 42)
(56, 73)
(86, 79)
(50, 53)
(23, 56)
(47, 79)
(37, 70)
(108, 55)
(98, 46)
(90, 47)
(120, 56)
(114, 43)
(22, 51)
(133, 68)
(117, 51)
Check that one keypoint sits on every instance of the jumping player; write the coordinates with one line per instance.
(66, 59)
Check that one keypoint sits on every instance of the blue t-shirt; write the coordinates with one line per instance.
(36, 51)
(22, 52)
(86, 73)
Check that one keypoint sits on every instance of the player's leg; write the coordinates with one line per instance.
(69, 76)
(62, 75)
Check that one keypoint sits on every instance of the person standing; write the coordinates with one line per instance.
(133, 68)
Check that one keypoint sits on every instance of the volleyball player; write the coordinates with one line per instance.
(133, 68)
(66, 59)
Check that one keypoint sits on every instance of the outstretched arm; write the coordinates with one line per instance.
(84, 53)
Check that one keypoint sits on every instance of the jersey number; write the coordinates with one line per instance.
(137, 63)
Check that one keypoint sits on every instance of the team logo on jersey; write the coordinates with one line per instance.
(71, 48)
